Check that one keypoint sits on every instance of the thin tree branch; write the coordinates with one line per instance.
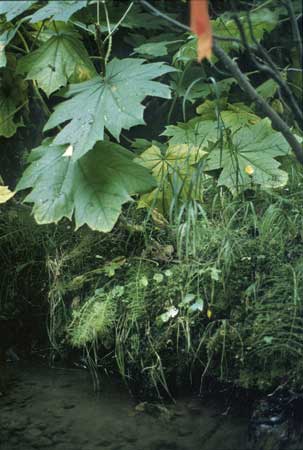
(277, 122)
(273, 71)
(184, 27)
(270, 68)
(295, 27)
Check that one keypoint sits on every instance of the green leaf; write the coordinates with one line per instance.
(58, 10)
(267, 89)
(233, 116)
(136, 19)
(92, 189)
(153, 48)
(262, 20)
(192, 85)
(187, 52)
(140, 144)
(214, 273)
(158, 277)
(197, 306)
(211, 109)
(249, 158)
(15, 8)
(7, 111)
(176, 158)
(268, 339)
(158, 46)
(189, 84)
(238, 115)
(174, 170)
(169, 314)
(5, 194)
(52, 64)
(187, 299)
(144, 281)
(111, 267)
(5, 39)
(195, 132)
(12, 96)
(113, 103)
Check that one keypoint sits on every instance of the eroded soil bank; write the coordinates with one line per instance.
(57, 409)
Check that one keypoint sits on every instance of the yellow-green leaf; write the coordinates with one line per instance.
(5, 194)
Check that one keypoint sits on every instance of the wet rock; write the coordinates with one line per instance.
(272, 422)
(142, 407)
(154, 410)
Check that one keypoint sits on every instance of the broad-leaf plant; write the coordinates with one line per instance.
(94, 67)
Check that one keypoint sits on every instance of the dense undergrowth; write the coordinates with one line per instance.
(196, 270)
(164, 313)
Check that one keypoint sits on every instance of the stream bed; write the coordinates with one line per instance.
(57, 409)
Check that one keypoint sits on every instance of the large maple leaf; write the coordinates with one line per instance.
(175, 170)
(249, 158)
(195, 132)
(92, 189)
(113, 102)
(52, 64)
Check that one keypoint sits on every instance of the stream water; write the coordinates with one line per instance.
(57, 409)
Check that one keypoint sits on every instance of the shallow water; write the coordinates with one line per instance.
(56, 409)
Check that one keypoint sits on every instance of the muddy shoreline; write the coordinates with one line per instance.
(57, 409)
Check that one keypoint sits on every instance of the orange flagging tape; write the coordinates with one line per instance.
(200, 25)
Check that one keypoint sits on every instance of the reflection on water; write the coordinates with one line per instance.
(56, 409)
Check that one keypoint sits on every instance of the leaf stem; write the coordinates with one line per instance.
(110, 41)
(120, 21)
(36, 89)
(9, 116)
(23, 40)
(98, 13)
(99, 41)
(100, 46)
